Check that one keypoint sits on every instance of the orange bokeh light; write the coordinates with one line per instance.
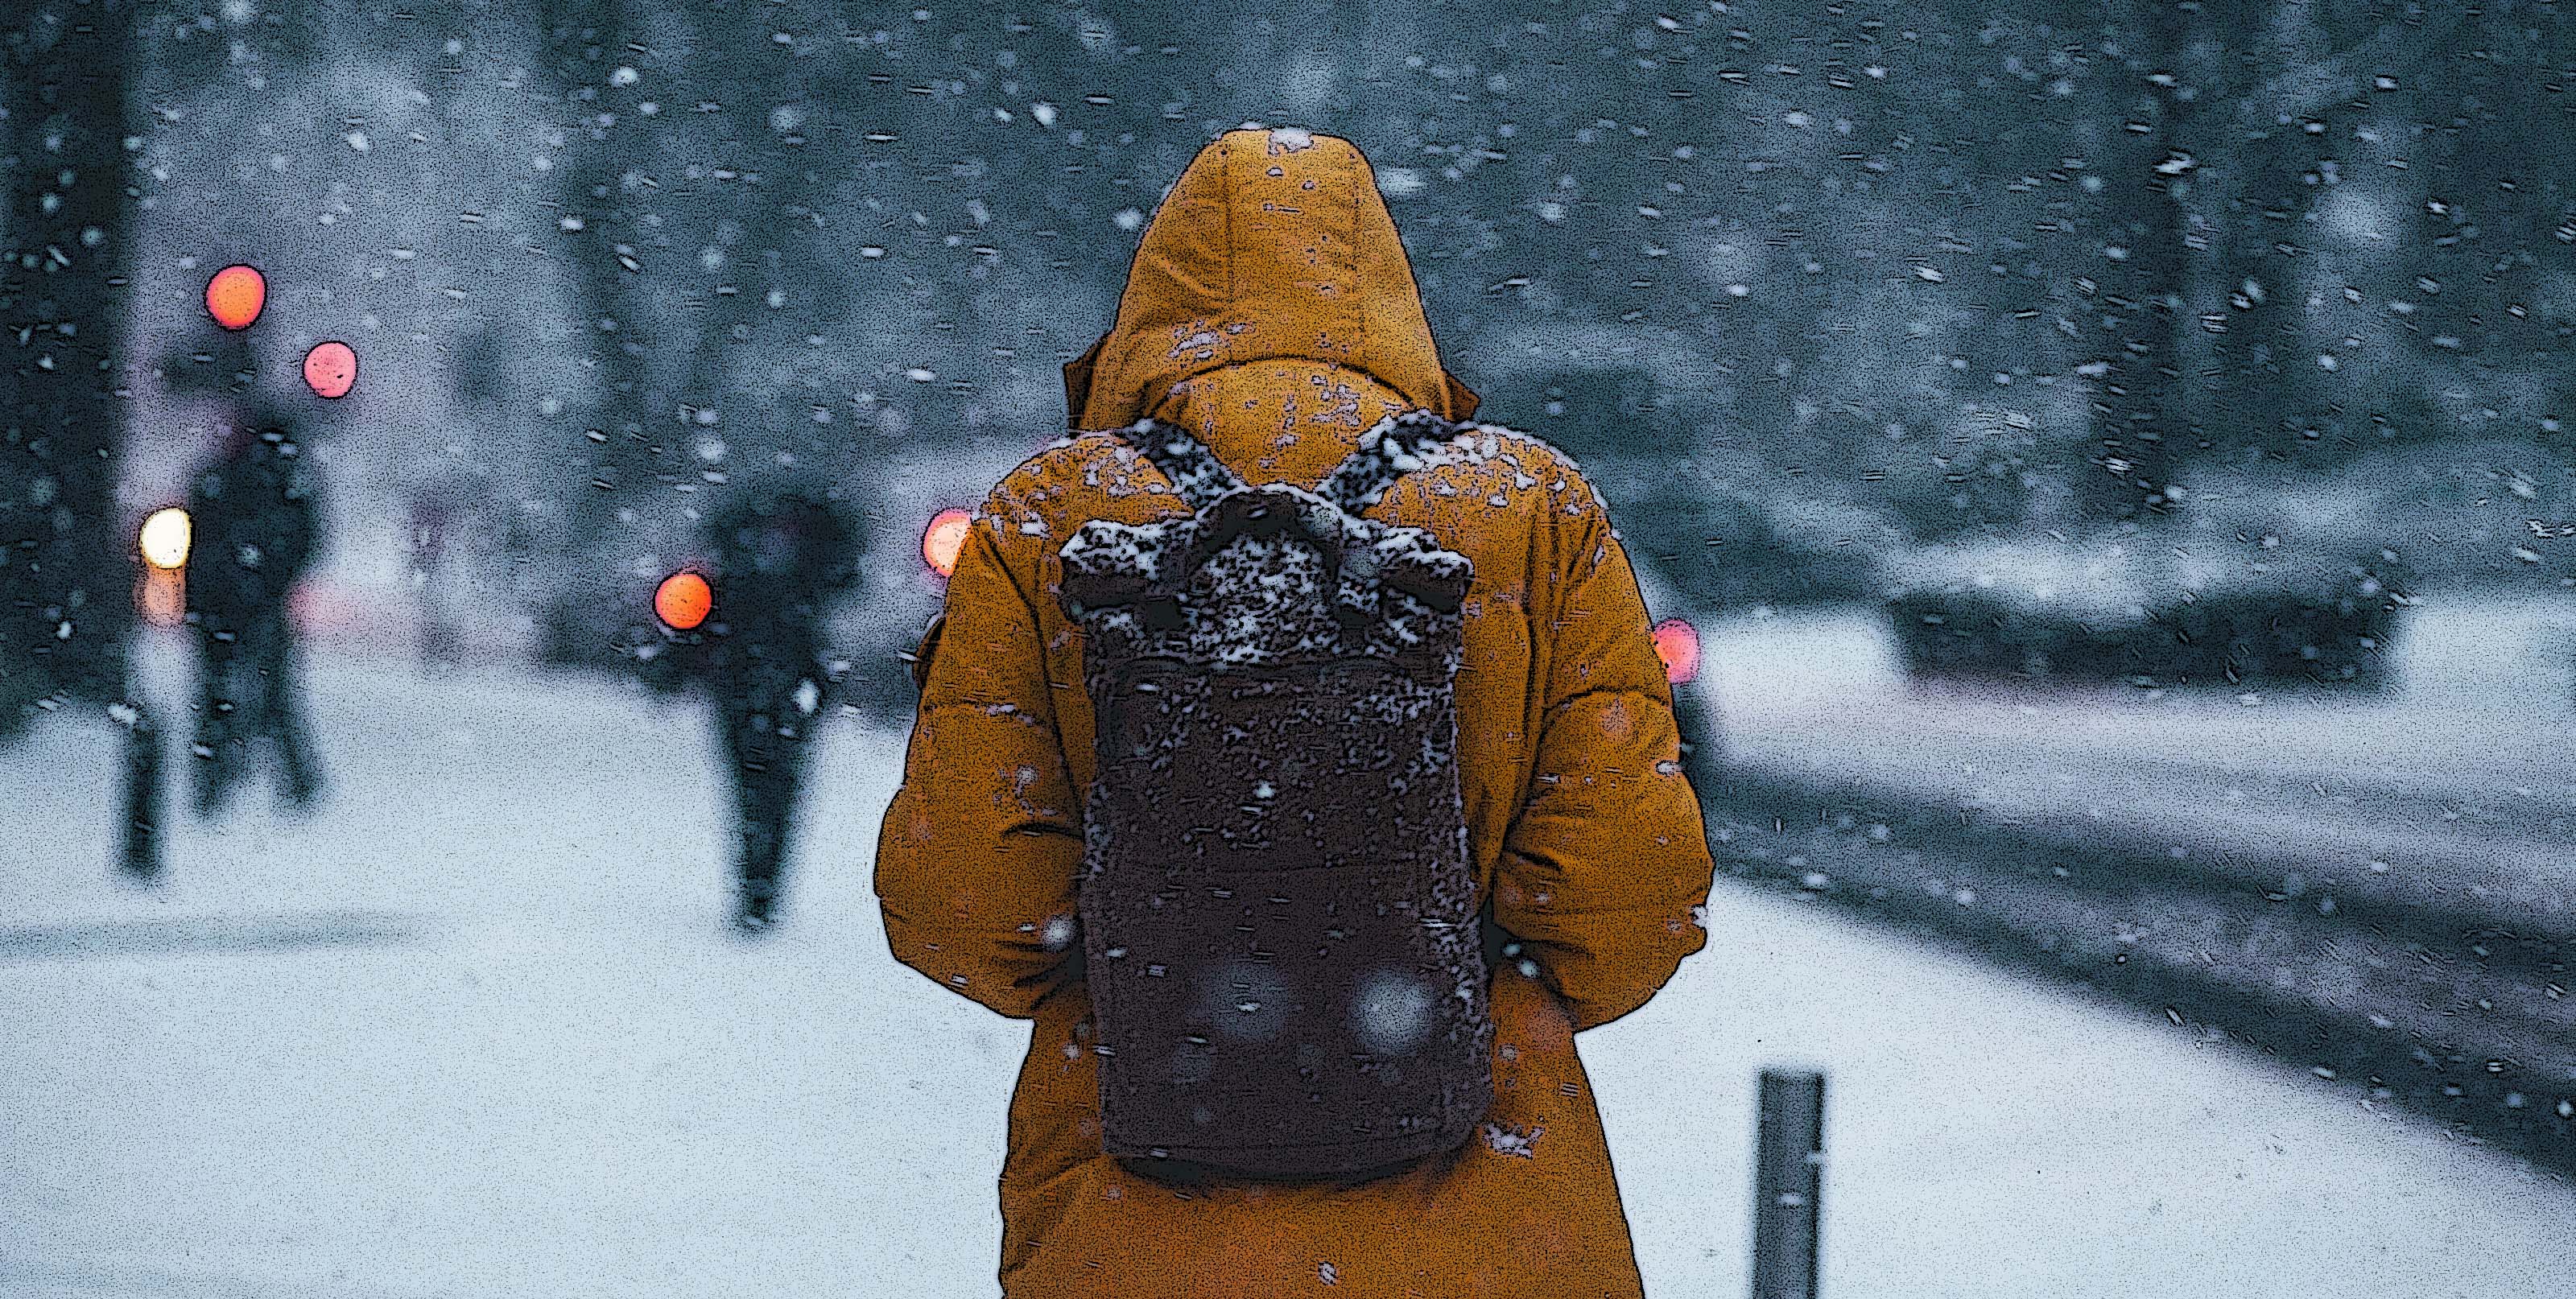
(161, 596)
(236, 296)
(1677, 644)
(683, 600)
(945, 539)
(331, 369)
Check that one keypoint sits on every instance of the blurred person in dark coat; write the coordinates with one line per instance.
(443, 519)
(779, 558)
(256, 524)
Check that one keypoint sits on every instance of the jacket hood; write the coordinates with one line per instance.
(1270, 297)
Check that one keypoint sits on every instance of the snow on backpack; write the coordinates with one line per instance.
(1279, 917)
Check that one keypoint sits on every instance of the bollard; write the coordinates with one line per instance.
(143, 801)
(1788, 1163)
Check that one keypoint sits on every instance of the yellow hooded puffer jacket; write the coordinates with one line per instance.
(1271, 312)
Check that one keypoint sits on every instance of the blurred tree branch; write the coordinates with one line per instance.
(2307, 89)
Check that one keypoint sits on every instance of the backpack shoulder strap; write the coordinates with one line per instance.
(1397, 446)
(1196, 475)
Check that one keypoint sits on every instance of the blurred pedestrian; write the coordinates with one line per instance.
(256, 521)
(779, 558)
(1271, 376)
(443, 518)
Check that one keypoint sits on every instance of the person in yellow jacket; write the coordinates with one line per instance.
(1271, 312)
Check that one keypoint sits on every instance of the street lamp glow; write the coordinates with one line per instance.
(165, 536)
(1677, 644)
(683, 600)
(331, 369)
(236, 296)
(945, 539)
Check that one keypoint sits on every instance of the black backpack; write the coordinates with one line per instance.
(1286, 965)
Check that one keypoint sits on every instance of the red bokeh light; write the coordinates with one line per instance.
(331, 369)
(236, 296)
(945, 539)
(1677, 644)
(683, 600)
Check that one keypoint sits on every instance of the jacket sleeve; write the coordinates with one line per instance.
(977, 859)
(1606, 869)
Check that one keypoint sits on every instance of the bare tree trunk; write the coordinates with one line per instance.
(752, 196)
(586, 44)
(64, 299)
(2140, 421)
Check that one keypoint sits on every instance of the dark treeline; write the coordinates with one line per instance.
(1787, 274)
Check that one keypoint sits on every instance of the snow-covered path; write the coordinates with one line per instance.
(474, 1030)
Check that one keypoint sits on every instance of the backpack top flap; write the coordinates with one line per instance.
(1265, 575)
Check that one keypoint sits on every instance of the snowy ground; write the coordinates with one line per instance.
(473, 1030)
(2421, 793)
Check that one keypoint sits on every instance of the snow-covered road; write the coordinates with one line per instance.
(473, 1029)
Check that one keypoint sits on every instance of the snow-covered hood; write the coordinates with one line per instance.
(1269, 301)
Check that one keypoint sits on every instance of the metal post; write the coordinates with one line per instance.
(1788, 1163)
(143, 780)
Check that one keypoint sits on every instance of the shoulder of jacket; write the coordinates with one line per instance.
(1516, 463)
(1082, 466)
(1065, 485)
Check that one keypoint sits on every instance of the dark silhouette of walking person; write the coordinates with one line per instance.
(432, 517)
(779, 559)
(256, 521)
